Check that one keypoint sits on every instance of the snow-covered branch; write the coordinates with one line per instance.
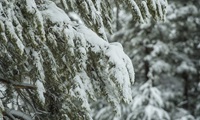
(68, 63)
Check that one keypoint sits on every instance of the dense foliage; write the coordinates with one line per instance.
(52, 67)
(167, 55)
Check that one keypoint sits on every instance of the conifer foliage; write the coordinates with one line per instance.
(51, 67)
(166, 53)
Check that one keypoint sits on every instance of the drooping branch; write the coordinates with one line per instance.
(56, 55)
(97, 14)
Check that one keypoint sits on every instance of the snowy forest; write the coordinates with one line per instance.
(99, 60)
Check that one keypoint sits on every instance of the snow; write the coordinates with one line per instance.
(159, 47)
(114, 50)
(41, 90)
(31, 6)
(117, 73)
(187, 10)
(183, 11)
(156, 97)
(153, 3)
(184, 67)
(145, 25)
(40, 24)
(52, 10)
(101, 112)
(138, 101)
(173, 34)
(137, 10)
(148, 101)
(160, 66)
(160, 12)
(152, 111)
(94, 13)
(75, 17)
(92, 38)
(188, 117)
(163, 2)
(198, 46)
(122, 70)
(38, 63)
(183, 114)
(146, 9)
(112, 76)
(98, 4)
(14, 37)
(80, 92)
(121, 74)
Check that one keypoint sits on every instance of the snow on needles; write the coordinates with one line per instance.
(40, 90)
(55, 14)
(96, 62)
(63, 57)
(121, 66)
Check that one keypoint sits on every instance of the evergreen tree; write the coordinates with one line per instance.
(167, 52)
(52, 67)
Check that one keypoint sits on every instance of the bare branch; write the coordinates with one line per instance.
(17, 114)
(18, 85)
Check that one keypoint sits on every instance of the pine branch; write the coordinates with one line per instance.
(18, 85)
(13, 114)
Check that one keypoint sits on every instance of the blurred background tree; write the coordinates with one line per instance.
(165, 56)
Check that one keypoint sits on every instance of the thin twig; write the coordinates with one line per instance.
(17, 114)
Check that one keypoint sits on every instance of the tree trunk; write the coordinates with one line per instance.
(146, 62)
(117, 20)
(186, 89)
